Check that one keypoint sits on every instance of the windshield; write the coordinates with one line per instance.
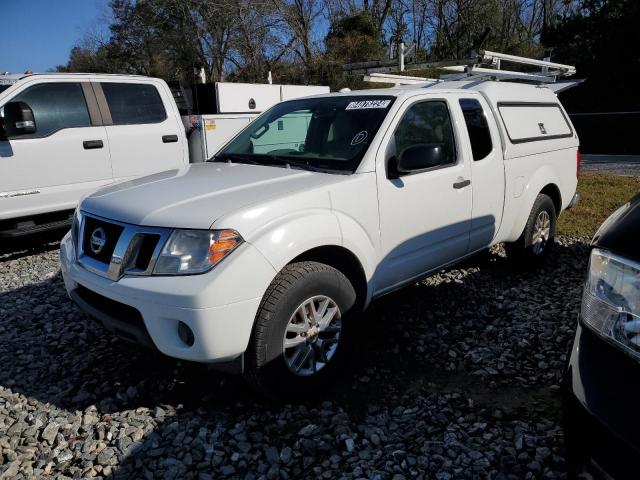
(324, 133)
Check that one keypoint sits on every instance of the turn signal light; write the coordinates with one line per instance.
(227, 240)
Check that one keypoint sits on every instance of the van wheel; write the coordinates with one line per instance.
(537, 239)
(302, 331)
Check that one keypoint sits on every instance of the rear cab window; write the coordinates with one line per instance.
(477, 127)
(134, 103)
(529, 122)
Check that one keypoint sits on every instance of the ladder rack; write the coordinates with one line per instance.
(484, 66)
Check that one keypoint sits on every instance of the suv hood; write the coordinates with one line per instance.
(196, 195)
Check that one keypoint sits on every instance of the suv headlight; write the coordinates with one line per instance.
(611, 300)
(195, 251)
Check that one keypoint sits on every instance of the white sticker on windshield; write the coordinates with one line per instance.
(362, 104)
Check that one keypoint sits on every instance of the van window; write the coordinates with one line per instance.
(427, 123)
(478, 128)
(55, 106)
(134, 103)
(528, 122)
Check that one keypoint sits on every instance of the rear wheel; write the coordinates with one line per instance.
(537, 239)
(302, 331)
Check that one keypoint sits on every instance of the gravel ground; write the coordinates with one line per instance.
(455, 377)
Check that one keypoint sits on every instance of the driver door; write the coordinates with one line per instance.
(425, 217)
(67, 156)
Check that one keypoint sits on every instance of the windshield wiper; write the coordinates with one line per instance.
(234, 158)
(274, 160)
(260, 159)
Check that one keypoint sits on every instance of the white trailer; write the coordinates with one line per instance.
(236, 105)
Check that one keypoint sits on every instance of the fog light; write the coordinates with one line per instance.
(185, 334)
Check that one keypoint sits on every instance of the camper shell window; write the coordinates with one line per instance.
(530, 122)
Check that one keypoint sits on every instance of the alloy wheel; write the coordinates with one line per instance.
(312, 335)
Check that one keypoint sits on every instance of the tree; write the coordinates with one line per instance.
(599, 38)
(245, 39)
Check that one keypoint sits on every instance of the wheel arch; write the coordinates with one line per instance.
(553, 192)
(544, 181)
(345, 261)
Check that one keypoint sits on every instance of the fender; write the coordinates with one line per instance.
(299, 232)
(365, 247)
(284, 239)
(521, 207)
(289, 236)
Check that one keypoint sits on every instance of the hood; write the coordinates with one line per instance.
(619, 233)
(196, 195)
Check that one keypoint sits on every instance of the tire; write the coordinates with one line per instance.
(537, 239)
(315, 352)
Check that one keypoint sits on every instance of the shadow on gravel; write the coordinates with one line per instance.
(455, 363)
(14, 248)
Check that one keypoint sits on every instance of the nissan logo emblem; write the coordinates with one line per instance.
(97, 240)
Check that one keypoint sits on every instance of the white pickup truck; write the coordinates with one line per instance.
(64, 135)
(257, 260)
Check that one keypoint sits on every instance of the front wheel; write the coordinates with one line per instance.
(537, 239)
(302, 331)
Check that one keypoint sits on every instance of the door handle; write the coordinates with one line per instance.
(92, 144)
(461, 184)
(169, 138)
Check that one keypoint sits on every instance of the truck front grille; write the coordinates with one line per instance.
(100, 239)
(113, 249)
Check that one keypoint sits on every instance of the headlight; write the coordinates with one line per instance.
(195, 251)
(611, 300)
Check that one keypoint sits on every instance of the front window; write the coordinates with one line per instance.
(55, 106)
(325, 133)
(427, 123)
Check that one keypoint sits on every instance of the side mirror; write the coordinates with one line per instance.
(18, 119)
(417, 158)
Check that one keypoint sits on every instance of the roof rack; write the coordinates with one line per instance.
(484, 66)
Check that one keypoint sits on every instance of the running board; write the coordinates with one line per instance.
(30, 227)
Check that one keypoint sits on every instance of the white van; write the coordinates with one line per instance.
(64, 135)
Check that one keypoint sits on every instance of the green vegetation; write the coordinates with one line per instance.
(601, 194)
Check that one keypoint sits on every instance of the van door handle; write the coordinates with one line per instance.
(92, 144)
(169, 138)
(461, 184)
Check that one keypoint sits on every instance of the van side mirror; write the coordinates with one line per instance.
(18, 119)
(417, 158)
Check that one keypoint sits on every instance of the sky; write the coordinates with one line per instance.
(37, 35)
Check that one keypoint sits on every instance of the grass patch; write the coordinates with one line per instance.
(601, 195)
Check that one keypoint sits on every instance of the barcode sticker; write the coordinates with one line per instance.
(364, 104)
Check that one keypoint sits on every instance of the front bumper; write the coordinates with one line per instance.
(219, 306)
(600, 403)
